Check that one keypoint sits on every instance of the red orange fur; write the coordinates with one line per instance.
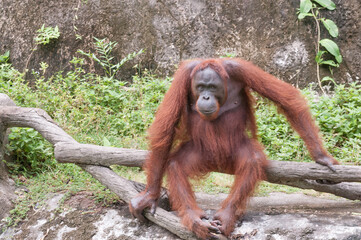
(184, 145)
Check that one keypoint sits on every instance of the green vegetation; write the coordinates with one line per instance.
(106, 111)
(46, 34)
(4, 57)
(337, 117)
(104, 48)
(312, 8)
(31, 152)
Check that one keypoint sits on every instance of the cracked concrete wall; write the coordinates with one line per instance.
(265, 32)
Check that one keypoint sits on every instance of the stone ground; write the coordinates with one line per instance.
(278, 216)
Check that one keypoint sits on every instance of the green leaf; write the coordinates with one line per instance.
(94, 57)
(329, 62)
(305, 6)
(303, 15)
(339, 58)
(328, 78)
(327, 4)
(332, 48)
(331, 27)
(318, 57)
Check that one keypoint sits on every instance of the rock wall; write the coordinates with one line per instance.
(265, 32)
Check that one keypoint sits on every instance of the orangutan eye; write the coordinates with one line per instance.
(200, 87)
(212, 88)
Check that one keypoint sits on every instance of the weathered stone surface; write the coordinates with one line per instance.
(265, 32)
(278, 216)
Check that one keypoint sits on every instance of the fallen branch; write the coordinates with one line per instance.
(350, 191)
(34, 118)
(295, 174)
(279, 170)
(107, 156)
(97, 155)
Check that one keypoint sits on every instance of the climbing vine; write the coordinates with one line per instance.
(325, 47)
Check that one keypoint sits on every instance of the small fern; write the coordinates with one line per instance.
(104, 58)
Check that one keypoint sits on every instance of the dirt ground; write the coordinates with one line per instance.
(278, 216)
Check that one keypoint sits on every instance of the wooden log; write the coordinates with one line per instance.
(97, 155)
(35, 118)
(347, 190)
(307, 170)
(107, 156)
